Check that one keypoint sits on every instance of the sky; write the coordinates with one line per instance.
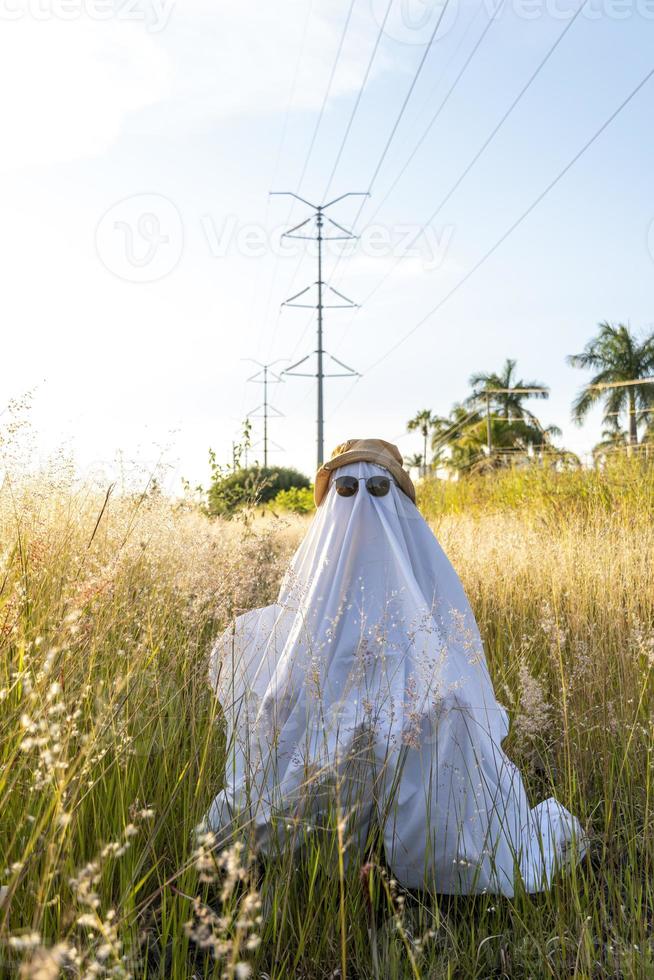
(140, 249)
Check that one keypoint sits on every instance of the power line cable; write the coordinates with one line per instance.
(429, 100)
(477, 156)
(421, 140)
(395, 127)
(280, 146)
(525, 88)
(417, 146)
(404, 105)
(396, 124)
(525, 214)
(357, 101)
(442, 105)
(307, 158)
(327, 94)
(343, 142)
(399, 118)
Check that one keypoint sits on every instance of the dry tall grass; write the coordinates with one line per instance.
(111, 748)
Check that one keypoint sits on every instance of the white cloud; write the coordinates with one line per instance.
(69, 85)
(230, 59)
(74, 82)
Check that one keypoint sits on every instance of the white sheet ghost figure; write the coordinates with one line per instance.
(368, 674)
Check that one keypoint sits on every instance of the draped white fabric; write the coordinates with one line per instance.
(368, 674)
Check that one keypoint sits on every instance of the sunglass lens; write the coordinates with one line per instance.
(346, 486)
(378, 486)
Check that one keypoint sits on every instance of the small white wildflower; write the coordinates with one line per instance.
(103, 952)
(30, 940)
(88, 921)
(54, 690)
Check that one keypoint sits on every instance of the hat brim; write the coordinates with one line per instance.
(362, 456)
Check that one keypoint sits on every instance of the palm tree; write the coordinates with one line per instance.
(612, 438)
(422, 421)
(465, 433)
(414, 462)
(513, 440)
(447, 430)
(504, 392)
(648, 434)
(617, 356)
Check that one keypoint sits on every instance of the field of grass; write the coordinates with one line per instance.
(111, 742)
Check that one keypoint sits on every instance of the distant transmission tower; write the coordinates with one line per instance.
(265, 410)
(320, 305)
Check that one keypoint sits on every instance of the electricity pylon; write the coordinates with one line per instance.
(320, 305)
(265, 377)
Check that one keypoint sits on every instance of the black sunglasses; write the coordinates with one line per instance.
(377, 486)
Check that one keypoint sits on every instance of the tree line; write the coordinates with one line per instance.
(494, 425)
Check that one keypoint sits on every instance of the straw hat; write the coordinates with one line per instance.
(364, 450)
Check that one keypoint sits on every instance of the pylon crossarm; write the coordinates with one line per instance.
(347, 299)
(343, 196)
(296, 196)
(346, 366)
(273, 378)
(271, 444)
(348, 233)
(289, 233)
(288, 302)
(297, 364)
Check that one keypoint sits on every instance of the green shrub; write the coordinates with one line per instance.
(298, 500)
(250, 486)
